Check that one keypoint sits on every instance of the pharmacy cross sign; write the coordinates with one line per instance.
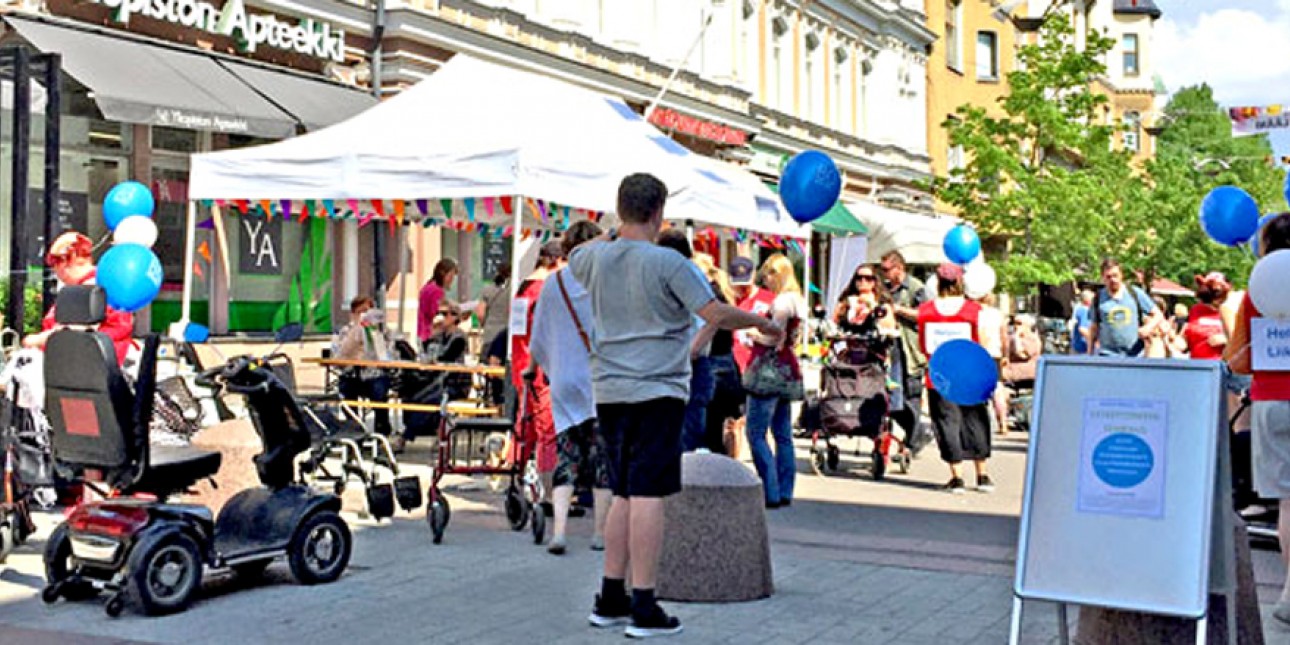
(306, 36)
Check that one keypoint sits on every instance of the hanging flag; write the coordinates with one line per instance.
(329, 208)
(423, 205)
(286, 208)
(542, 209)
(399, 208)
(365, 219)
(470, 208)
(379, 206)
(197, 270)
(353, 206)
(508, 231)
(426, 222)
(488, 206)
(209, 224)
(305, 210)
(446, 205)
(268, 208)
(483, 229)
(205, 251)
(219, 202)
(526, 233)
(508, 204)
(207, 203)
(566, 217)
(241, 205)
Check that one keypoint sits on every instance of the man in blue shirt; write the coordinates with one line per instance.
(1123, 316)
(1080, 322)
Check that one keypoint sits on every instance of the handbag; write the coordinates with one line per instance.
(774, 373)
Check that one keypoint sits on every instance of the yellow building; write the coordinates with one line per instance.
(974, 52)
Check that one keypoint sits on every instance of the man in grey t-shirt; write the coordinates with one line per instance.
(1123, 316)
(643, 297)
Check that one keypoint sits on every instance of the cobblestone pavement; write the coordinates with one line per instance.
(855, 562)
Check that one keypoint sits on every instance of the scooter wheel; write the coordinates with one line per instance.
(517, 510)
(114, 606)
(320, 549)
(539, 523)
(438, 515)
(59, 569)
(165, 568)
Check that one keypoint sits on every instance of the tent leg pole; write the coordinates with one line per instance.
(516, 238)
(403, 273)
(190, 239)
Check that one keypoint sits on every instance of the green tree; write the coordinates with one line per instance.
(1043, 173)
(1196, 152)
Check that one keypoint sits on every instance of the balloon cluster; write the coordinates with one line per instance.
(810, 185)
(961, 370)
(130, 273)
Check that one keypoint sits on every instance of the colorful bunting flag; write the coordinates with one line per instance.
(446, 205)
(285, 204)
(508, 205)
(209, 224)
(488, 206)
(423, 205)
(242, 205)
(470, 208)
(197, 270)
(204, 250)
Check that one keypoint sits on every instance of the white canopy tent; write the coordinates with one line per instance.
(919, 238)
(479, 130)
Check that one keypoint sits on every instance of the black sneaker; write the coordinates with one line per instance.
(610, 614)
(655, 622)
(984, 485)
(956, 486)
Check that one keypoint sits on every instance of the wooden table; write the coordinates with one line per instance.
(342, 363)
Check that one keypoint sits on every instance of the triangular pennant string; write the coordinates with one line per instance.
(423, 205)
(470, 208)
(488, 206)
(400, 207)
(446, 205)
(508, 205)
(285, 204)
(379, 206)
(268, 208)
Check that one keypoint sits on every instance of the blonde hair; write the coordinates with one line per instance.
(715, 275)
(778, 275)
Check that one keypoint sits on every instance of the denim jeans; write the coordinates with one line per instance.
(376, 390)
(779, 470)
(702, 387)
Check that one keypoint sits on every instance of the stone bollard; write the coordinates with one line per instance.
(715, 544)
(238, 445)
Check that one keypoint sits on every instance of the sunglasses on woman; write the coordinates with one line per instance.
(865, 277)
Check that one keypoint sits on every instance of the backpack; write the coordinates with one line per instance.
(1138, 295)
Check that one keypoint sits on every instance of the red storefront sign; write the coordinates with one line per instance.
(673, 120)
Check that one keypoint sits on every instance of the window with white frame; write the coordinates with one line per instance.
(1130, 44)
(781, 55)
(841, 90)
(749, 64)
(862, 98)
(1132, 131)
(954, 34)
(813, 88)
(987, 55)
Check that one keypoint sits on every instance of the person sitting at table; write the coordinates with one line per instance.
(447, 345)
(363, 339)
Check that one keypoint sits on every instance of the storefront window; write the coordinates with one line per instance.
(175, 140)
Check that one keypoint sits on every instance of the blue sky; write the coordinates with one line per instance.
(1240, 47)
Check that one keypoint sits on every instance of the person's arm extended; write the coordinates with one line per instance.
(720, 315)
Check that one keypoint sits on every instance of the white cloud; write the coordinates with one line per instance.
(1243, 55)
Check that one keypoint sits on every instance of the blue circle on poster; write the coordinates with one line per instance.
(1123, 460)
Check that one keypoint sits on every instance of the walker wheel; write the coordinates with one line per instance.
(879, 465)
(517, 510)
(437, 515)
(114, 606)
(539, 523)
(833, 457)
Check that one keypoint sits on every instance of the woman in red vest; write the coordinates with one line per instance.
(1270, 410)
(962, 431)
(71, 258)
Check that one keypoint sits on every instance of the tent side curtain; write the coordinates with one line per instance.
(837, 221)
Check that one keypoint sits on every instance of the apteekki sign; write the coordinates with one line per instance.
(306, 36)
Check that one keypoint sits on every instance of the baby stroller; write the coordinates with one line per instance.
(854, 403)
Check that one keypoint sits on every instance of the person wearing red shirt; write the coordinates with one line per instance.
(962, 431)
(752, 299)
(71, 258)
(550, 259)
(1269, 410)
(1205, 333)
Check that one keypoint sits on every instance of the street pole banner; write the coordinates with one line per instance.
(1255, 120)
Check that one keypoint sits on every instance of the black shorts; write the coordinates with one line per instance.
(643, 446)
(962, 431)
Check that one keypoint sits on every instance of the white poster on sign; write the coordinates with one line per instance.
(938, 333)
(519, 317)
(1122, 457)
(1270, 344)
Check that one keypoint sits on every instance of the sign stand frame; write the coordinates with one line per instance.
(1221, 577)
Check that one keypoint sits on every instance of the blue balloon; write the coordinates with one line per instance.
(125, 199)
(810, 185)
(1285, 188)
(963, 372)
(131, 275)
(1229, 215)
(1258, 232)
(962, 245)
(196, 333)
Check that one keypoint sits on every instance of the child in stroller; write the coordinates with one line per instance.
(855, 390)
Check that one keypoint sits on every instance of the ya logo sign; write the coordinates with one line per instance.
(306, 36)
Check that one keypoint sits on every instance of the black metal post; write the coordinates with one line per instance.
(378, 250)
(53, 64)
(18, 188)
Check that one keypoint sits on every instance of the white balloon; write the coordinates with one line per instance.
(979, 280)
(136, 229)
(1267, 285)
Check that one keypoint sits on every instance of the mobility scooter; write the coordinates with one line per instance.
(136, 545)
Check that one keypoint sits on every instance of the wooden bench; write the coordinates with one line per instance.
(462, 409)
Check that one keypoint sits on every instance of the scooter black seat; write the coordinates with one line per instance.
(177, 468)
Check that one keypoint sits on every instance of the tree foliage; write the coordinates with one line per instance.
(1042, 172)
